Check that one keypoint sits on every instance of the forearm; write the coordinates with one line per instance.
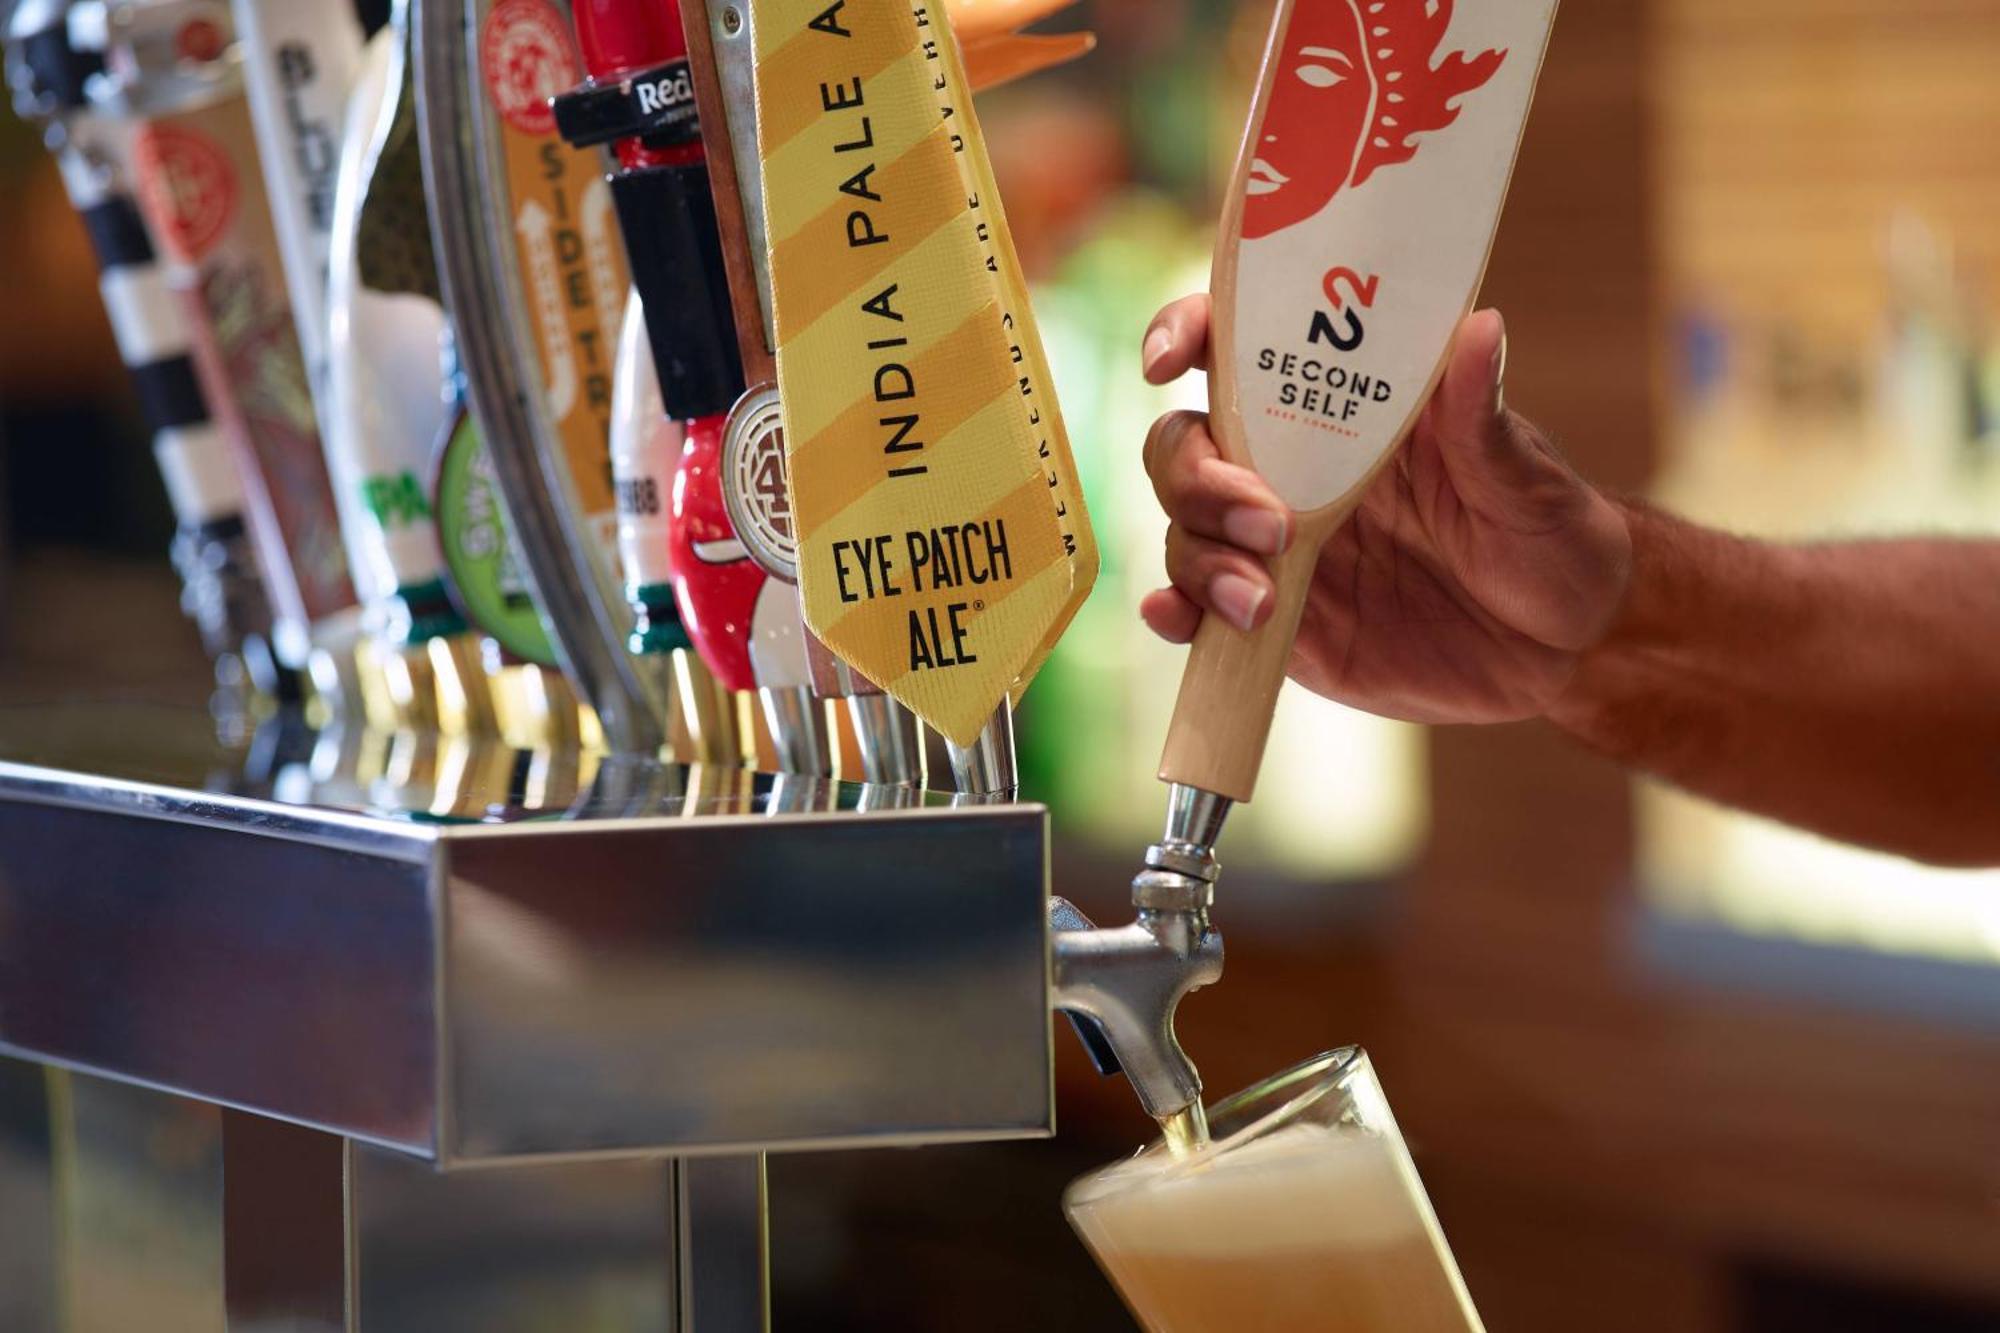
(1852, 688)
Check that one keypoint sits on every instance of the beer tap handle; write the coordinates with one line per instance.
(1314, 276)
(731, 149)
(648, 98)
(646, 449)
(172, 76)
(720, 44)
(484, 70)
(992, 61)
(223, 592)
(677, 372)
(1229, 688)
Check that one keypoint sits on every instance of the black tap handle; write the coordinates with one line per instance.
(655, 106)
(675, 250)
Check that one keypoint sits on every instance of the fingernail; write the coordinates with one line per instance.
(1255, 529)
(1237, 598)
(1500, 372)
(1158, 343)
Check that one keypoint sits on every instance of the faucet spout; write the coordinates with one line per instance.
(1125, 984)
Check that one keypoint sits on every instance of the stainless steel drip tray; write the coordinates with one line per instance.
(538, 983)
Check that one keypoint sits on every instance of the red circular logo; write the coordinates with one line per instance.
(200, 41)
(527, 57)
(190, 188)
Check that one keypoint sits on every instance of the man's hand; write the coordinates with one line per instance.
(1476, 571)
(1852, 689)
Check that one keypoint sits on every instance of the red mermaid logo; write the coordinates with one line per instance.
(1355, 87)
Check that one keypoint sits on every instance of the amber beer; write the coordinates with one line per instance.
(1305, 1215)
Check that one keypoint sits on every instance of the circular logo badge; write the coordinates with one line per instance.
(200, 40)
(483, 580)
(526, 56)
(190, 187)
(754, 485)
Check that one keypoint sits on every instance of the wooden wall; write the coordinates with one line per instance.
(1609, 1146)
(1789, 132)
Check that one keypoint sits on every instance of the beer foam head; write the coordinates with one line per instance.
(1301, 1187)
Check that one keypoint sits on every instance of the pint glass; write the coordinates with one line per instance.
(1303, 1215)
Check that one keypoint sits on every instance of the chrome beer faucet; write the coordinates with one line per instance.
(1122, 986)
(984, 772)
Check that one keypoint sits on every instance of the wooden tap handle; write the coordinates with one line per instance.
(1229, 688)
(1353, 237)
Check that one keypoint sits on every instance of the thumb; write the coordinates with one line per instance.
(1470, 406)
(1496, 461)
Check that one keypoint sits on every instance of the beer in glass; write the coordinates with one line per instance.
(1304, 1214)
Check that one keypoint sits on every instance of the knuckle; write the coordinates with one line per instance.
(1155, 435)
(1194, 559)
(1184, 555)
(1164, 440)
(1220, 479)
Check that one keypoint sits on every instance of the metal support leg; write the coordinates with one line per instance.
(284, 1207)
(583, 1245)
(138, 1180)
(27, 1201)
(724, 1254)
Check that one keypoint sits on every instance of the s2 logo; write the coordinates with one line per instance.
(1348, 333)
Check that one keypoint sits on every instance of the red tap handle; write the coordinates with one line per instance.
(716, 583)
(618, 36)
(623, 38)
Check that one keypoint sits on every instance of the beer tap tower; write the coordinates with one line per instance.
(435, 1075)
(337, 1065)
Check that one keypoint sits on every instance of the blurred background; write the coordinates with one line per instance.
(1665, 1069)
